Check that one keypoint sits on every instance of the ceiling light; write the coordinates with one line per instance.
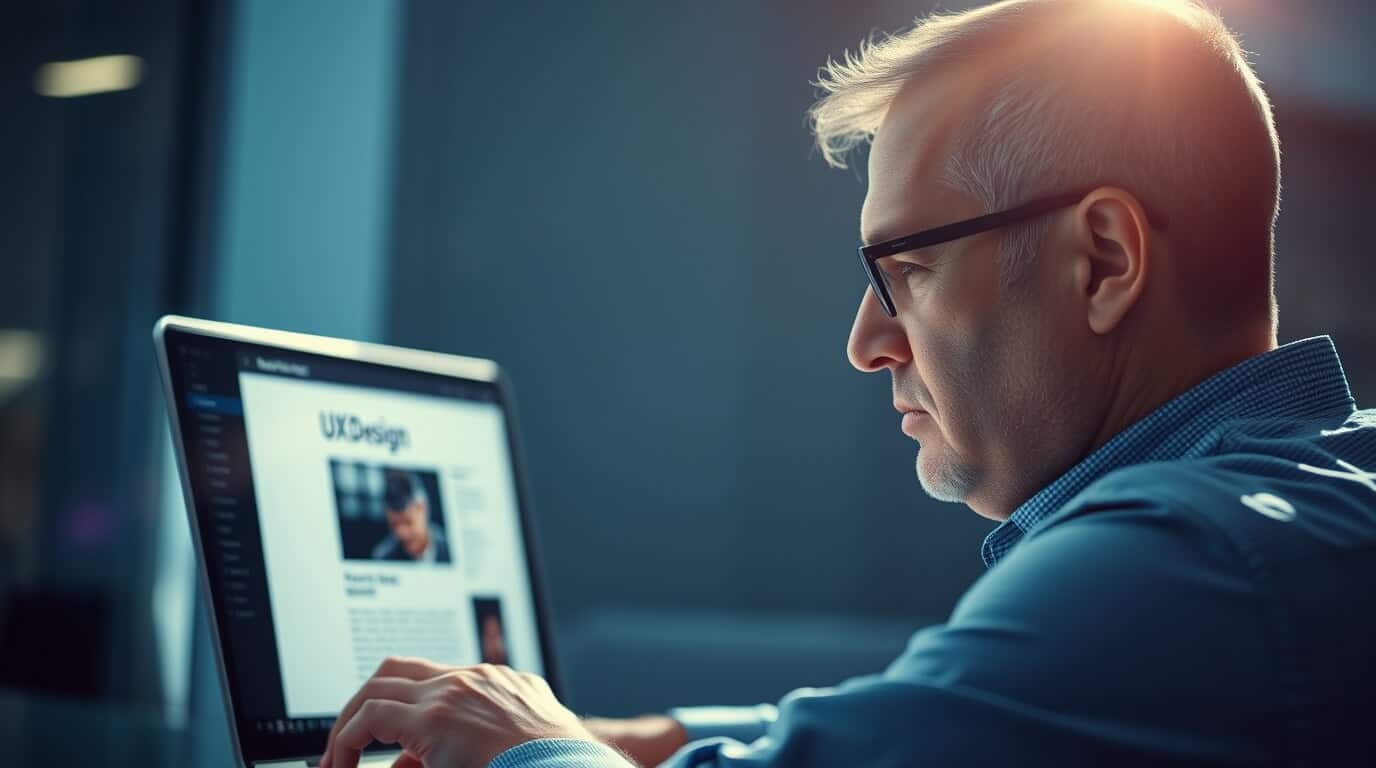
(83, 77)
(21, 360)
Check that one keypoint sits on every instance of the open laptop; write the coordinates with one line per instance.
(348, 502)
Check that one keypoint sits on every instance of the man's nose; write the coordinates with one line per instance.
(877, 341)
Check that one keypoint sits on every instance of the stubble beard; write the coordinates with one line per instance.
(947, 479)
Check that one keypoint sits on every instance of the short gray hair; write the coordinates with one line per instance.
(1155, 96)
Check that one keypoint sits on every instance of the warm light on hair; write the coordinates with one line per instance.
(1156, 96)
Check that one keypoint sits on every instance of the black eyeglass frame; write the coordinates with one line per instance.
(870, 254)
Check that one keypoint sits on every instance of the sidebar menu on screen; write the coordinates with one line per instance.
(204, 372)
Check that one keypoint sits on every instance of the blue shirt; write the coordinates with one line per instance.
(1201, 589)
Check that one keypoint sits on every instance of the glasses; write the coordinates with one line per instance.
(871, 254)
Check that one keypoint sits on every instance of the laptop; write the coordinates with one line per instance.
(348, 502)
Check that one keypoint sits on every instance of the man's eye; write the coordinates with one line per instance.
(899, 270)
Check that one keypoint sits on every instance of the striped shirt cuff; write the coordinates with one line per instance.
(560, 753)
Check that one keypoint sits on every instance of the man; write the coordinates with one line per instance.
(413, 538)
(1183, 573)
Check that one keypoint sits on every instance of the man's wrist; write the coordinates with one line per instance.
(647, 739)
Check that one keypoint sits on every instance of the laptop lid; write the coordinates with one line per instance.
(348, 501)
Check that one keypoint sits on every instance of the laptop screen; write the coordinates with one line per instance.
(347, 511)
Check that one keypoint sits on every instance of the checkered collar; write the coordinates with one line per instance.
(1302, 379)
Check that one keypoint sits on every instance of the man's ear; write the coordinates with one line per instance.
(1110, 233)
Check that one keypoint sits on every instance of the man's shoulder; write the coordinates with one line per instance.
(1273, 488)
(1185, 581)
(1134, 579)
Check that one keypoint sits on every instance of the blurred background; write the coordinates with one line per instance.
(619, 201)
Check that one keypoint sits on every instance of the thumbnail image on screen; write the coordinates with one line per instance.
(492, 645)
(390, 514)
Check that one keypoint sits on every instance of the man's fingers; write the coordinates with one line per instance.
(410, 668)
(391, 688)
(390, 722)
(408, 761)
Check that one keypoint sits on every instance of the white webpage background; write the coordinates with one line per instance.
(463, 442)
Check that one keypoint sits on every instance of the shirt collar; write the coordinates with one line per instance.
(1302, 379)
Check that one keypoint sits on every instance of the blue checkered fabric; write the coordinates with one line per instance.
(1302, 379)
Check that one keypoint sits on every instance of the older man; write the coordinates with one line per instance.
(1069, 248)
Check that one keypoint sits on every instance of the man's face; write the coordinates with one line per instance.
(411, 526)
(988, 370)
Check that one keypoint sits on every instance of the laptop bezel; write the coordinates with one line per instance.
(469, 369)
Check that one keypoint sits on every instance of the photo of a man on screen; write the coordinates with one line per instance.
(492, 647)
(414, 536)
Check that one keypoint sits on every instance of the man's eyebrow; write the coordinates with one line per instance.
(876, 237)
(884, 235)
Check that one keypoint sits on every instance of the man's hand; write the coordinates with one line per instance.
(648, 740)
(448, 717)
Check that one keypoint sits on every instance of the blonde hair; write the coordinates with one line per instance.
(1156, 96)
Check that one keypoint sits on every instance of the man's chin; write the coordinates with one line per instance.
(943, 481)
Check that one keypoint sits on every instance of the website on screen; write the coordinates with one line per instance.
(389, 525)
